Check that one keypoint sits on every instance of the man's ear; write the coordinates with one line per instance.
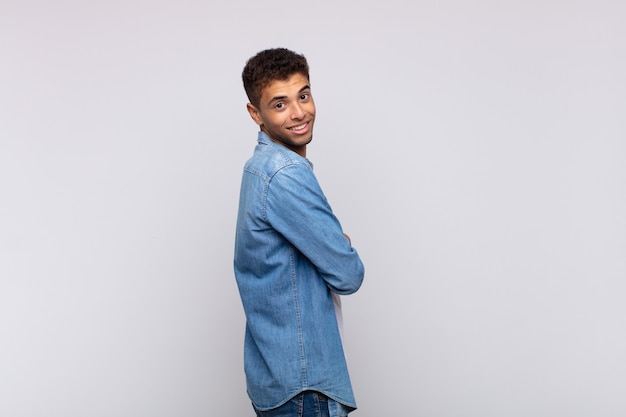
(254, 113)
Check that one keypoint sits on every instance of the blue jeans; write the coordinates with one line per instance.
(307, 404)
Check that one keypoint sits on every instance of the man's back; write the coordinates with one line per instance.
(289, 253)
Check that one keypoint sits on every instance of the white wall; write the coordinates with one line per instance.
(474, 152)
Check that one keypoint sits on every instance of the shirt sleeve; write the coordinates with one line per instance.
(297, 208)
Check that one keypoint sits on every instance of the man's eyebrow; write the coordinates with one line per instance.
(278, 98)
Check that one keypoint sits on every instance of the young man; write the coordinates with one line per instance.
(291, 255)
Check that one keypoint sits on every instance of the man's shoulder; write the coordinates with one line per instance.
(268, 160)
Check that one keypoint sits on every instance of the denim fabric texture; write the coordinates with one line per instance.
(290, 253)
(307, 404)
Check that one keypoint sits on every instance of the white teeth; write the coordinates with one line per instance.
(298, 127)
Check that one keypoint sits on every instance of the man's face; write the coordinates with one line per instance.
(286, 112)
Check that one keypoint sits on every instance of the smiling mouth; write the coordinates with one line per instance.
(299, 127)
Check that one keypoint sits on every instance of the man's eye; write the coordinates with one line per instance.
(280, 105)
(304, 96)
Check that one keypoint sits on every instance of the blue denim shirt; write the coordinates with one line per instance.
(290, 253)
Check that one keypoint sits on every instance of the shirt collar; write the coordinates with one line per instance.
(265, 139)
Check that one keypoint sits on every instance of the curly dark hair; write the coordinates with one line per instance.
(276, 64)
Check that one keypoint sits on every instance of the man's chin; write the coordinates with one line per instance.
(300, 141)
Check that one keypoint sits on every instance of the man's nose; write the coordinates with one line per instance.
(296, 111)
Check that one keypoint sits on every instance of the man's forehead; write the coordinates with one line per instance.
(293, 84)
